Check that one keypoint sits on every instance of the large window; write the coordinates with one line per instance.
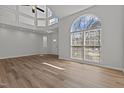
(85, 38)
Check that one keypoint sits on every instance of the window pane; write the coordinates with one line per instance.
(97, 38)
(86, 38)
(77, 52)
(26, 10)
(41, 22)
(92, 54)
(49, 12)
(92, 37)
(77, 39)
(26, 20)
(41, 14)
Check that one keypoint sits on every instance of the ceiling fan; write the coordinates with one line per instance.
(34, 7)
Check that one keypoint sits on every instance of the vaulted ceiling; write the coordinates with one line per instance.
(66, 10)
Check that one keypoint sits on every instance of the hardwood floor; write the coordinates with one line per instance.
(49, 72)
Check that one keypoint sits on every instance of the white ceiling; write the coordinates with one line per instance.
(66, 10)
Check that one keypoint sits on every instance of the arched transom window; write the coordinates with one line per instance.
(85, 38)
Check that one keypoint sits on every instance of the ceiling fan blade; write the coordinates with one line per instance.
(33, 9)
(40, 9)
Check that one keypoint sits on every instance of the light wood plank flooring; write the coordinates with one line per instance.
(49, 72)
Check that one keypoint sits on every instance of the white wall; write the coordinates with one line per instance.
(13, 15)
(15, 43)
(112, 19)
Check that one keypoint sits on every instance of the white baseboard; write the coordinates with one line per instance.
(97, 64)
(110, 67)
(40, 54)
(18, 56)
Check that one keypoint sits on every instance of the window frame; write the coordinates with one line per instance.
(84, 46)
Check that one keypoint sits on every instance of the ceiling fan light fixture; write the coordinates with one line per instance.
(33, 8)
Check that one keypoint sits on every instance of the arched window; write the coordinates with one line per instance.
(85, 38)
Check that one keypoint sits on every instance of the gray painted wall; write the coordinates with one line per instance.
(112, 19)
(15, 43)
